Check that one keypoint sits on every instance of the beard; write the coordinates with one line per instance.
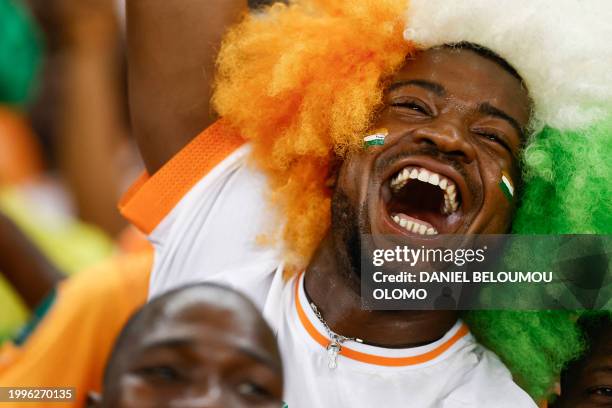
(347, 227)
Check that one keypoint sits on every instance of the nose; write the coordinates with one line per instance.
(447, 138)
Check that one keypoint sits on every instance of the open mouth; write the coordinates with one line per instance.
(422, 201)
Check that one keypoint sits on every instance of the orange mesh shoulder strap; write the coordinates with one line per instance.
(150, 199)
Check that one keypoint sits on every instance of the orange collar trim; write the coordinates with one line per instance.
(152, 198)
(371, 358)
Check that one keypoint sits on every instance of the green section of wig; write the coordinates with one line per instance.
(20, 53)
(567, 183)
(535, 346)
(566, 191)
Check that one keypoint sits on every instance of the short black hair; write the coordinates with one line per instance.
(593, 325)
(486, 53)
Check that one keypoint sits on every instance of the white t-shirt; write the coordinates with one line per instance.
(205, 228)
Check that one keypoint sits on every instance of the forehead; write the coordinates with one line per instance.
(599, 359)
(603, 346)
(469, 78)
(202, 321)
(205, 328)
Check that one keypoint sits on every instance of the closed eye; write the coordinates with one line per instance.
(494, 137)
(412, 105)
(161, 374)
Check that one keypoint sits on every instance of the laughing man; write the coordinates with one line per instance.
(465, 99)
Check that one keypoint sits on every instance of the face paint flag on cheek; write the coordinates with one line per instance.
(375, 139)
(506, 186)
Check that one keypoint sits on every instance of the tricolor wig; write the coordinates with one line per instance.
(303, 81)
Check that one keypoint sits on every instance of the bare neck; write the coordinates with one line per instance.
(336, 293)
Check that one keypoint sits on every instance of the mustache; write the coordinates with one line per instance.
(434, 153)
(430, 151)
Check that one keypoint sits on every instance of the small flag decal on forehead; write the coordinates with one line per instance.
(506, 185)
(376, 139)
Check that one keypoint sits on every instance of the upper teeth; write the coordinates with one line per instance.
(447, 185)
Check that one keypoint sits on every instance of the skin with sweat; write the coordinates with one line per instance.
(451, 111)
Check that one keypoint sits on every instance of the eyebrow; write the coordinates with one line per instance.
(167, 343)
(263, 358)
(430, 86)
(254, 354)
(602, 369)
(488, 109)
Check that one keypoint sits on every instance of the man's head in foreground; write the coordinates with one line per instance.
(199, 346)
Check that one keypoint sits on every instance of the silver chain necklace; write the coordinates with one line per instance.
(334, 348)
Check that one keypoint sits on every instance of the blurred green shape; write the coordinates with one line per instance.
(20, 53)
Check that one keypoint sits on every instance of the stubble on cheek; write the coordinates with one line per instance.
(346, 228)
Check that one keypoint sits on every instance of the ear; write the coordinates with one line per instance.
(94, 400)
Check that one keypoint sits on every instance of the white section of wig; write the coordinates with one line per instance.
(561, 48)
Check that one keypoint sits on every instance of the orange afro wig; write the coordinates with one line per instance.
(316, 71)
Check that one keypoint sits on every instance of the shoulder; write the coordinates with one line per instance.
(211, 155)
(488, 383)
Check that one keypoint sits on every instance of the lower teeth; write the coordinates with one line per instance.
(415, 227)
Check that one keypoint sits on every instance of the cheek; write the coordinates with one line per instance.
(273, 405)
(134, 392)
(497, 204)
(352, 176)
